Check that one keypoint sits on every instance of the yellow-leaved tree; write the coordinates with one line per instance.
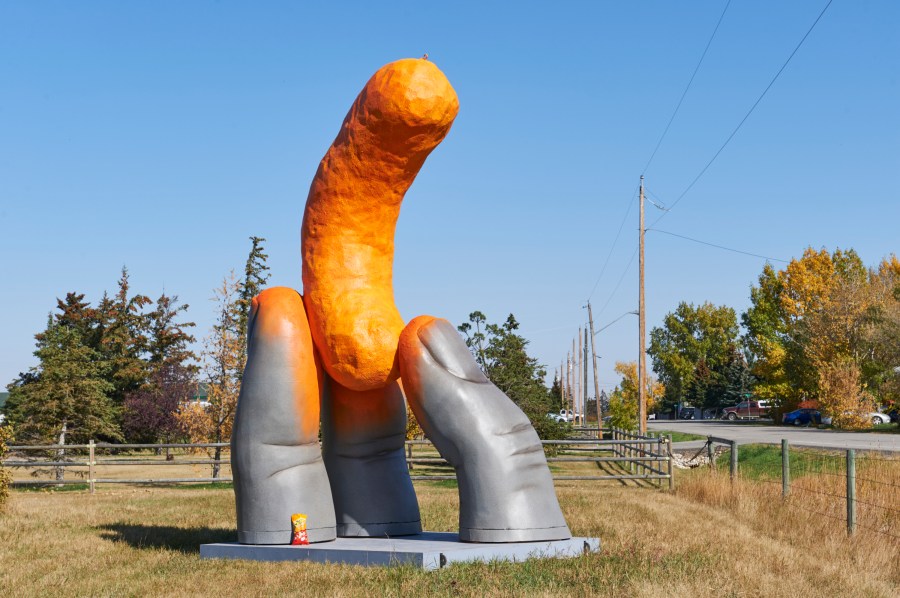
(5, 475)
(826, 328)
(223, 363)
(623, 403)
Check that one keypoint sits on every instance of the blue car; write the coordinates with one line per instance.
(802, 417)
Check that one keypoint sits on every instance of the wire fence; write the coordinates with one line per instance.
(859, 488)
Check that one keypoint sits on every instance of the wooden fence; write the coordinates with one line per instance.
(622, 456)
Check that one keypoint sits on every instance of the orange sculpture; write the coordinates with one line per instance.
(334, 354)
(347, 238)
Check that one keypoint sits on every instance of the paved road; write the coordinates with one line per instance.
(750, 433)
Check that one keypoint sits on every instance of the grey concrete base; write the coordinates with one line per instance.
(532, 534)
(428, 550)
(322, 534)
(379, 530)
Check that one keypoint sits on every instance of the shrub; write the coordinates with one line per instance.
(5, 475)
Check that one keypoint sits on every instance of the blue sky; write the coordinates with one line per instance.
(161, 135)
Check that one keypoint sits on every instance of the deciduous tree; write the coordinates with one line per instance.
(223, 363)
(691, 351)
(623, 403)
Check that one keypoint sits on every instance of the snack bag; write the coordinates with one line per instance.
(298, 530)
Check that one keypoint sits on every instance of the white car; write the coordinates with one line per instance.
(876, 417)
(564, 416)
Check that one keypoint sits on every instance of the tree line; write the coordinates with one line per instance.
(822, 332)
(124, 370)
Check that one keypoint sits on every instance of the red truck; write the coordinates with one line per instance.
(746, 409)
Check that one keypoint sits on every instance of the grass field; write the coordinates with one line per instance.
(708, 539)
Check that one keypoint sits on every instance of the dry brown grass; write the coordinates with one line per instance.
(707, 539)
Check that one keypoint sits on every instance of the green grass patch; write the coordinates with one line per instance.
(763, 461)
(438, 483)
(681, 436)
(51, 487)
(885, 429)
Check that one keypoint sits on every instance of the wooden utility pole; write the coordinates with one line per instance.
(585, 366)
(642, 316)
(569, 382)
(580, 384)
(562, 384)
(574, 378)
(594, 357)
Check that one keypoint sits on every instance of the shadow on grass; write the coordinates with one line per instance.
(182, 539)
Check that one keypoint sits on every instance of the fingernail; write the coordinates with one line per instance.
(448, 349)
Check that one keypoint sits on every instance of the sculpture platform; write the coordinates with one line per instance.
(428, 550)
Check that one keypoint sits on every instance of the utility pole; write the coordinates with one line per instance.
(584, 361)
(596, 379)
(580, 385)
(562, 384)
(642, 316)
(568, 380)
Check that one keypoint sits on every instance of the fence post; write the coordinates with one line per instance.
(734, 459)
(409, 455)
(91, 476)
(785, 468)
(615, 447)
(851, 491)
(629, 437)
(711, 454)
(669, 461)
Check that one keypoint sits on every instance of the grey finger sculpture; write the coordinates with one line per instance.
(363, 436)
(506, 491)
(275, 458)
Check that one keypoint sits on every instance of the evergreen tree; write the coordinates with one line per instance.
(168, 342)
(66, 397)
(502, 356)
(256, 274)
(77, 314)
(123, 338)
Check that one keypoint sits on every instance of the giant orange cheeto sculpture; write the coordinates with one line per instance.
(400, 116)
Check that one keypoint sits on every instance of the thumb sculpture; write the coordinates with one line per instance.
(343, 347)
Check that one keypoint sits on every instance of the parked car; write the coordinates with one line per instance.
(802, 417)
(686, 413)
(875, 417)
(895, 415)
(564, 416)
(746, 409)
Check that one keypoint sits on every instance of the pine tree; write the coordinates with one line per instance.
(502, 356)
(168, 342)
(255, 277)
(67, 397)
(123, 338)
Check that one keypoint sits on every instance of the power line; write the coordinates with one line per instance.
(618, 284)
(765, 257)
(627, 313)
(684, 93)
(747, 115)
(613, 246)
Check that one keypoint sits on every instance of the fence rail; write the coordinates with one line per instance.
(624, 455)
